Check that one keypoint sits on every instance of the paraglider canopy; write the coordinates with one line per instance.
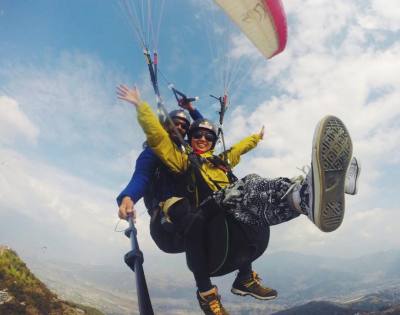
(262, 21)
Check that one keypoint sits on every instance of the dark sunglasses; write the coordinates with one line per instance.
(182, 124)
(198, 134)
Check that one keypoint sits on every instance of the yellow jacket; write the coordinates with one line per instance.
(177, 161)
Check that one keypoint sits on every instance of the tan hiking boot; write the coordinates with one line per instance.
(210, 302)
(252, 286)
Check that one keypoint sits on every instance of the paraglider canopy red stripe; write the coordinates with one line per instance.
(278, 17)
(262, 21)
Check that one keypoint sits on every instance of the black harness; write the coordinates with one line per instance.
(196, 184)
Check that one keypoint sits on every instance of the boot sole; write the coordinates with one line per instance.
(331, 154)
(258, 297)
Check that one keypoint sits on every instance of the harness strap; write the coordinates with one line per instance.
(198, 160)
(223, 165)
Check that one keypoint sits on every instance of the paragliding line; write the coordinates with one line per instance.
(152, 70)
(134, 259)
(155, 61)
(162, 112)
(223, 101)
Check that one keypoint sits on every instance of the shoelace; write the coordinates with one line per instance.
(298, 179)
(305, 169)
(255, 280)
(215, 306)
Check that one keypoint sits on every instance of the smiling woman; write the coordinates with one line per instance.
(202, 135)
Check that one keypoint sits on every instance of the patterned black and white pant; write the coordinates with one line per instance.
(258, 201)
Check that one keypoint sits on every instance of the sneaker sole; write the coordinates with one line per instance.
(258, 297)
(331, 154)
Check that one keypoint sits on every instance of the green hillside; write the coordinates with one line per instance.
(21, 293)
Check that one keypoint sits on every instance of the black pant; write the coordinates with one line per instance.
(246, 243)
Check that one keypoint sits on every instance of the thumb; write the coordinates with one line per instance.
(262, 132)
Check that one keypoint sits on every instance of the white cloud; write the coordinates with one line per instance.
(242, 47)
(316, 23)
(361, 232)
(382, 15)
(48, 193)
(71, 98)
(50, 197)
(14, 124)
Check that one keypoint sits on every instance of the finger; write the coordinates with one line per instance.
(131, 215)
(121, 95)
(262, 132)
(121, 214)
(123, 87)
(120, 92)
(123, 98)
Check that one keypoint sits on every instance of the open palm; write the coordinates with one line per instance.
(131, 95)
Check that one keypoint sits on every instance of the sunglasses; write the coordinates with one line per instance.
(180, 124)
(198, 134)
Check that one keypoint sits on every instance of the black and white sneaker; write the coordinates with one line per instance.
(322, 194)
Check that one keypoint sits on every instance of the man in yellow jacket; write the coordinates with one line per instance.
(253, 201)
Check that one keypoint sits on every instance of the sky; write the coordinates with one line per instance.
(68, 146)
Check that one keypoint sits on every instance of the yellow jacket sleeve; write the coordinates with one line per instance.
(240, 148)
(159, 141)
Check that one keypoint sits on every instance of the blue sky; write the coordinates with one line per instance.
(35, 28)
(67, 146)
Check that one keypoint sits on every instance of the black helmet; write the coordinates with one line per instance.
(179, 113)
(203, 123)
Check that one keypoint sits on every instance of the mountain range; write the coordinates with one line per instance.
(328, 285)
(22, 293)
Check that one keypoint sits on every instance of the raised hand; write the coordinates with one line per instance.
(186, 105)
(130, 95)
